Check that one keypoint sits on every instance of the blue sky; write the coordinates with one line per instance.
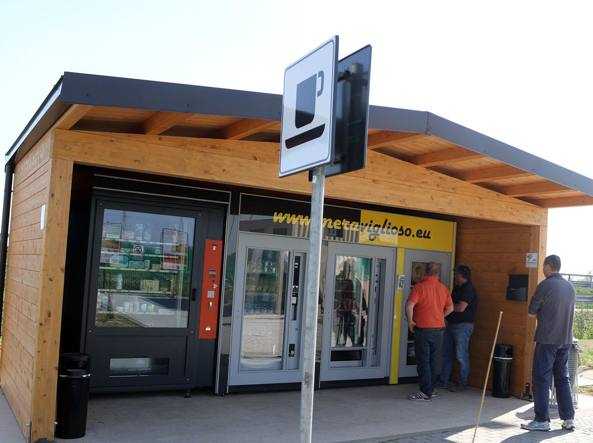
(517, 71)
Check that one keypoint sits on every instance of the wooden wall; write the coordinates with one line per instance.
(494, 250)
(34, 285)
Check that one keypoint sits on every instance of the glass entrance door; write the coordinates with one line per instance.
(268, 309)
(414, 268)
(143, 294)
(357, 312)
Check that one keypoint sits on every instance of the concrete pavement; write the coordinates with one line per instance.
(365, 414)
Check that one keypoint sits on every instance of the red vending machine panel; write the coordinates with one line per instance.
(210, 296)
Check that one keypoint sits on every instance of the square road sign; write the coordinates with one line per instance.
(308, 108)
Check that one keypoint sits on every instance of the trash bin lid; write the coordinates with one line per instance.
(75, 373)
(503, 350)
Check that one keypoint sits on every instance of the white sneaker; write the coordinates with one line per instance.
(568, 425)
(536, 426)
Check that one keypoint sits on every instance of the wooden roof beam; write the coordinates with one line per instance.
(563, 202)
(72, 116)
(489, 173)
(246, 127)
(161, 121)
(386, 138)
(533, 189)
(449, 155)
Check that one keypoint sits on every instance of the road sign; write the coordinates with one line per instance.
(352, 113)
(308, 109)
(307, 143)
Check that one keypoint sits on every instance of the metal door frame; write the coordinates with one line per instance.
(238, 377)
(413, 255)
(327, 371)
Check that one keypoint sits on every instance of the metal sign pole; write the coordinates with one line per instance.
(311, 303)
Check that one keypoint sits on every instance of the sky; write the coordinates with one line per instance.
(520, 72)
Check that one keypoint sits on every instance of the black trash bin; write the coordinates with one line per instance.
(501, 376)
(73, 395)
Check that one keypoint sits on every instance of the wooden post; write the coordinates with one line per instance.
(45, 372)
(538, 239)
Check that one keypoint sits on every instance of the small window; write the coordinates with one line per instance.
(138, 366)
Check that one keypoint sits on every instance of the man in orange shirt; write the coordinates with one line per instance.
(428, 305)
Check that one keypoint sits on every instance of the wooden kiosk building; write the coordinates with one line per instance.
(147, 227)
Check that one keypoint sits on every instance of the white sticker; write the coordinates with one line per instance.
(42, 218)
(531, 259)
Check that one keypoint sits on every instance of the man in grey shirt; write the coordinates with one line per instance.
(553, 304)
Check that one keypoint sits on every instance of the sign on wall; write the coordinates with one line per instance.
(291, 218)
(531, 260)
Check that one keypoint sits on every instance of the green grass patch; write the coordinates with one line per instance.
(587, 358)
(583, 291)
(583, 323)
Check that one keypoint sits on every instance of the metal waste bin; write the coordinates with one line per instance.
(73, 395)
(573, 374)
(501, 376)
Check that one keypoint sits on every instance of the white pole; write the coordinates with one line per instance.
(311, 302)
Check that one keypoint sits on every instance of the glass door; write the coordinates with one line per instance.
(267, 309)
(142, 294)
(144, 272)
(415, 266)
(357, 312)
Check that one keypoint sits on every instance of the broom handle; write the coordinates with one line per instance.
(487, 375)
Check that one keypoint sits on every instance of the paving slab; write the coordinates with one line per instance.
(364, 414)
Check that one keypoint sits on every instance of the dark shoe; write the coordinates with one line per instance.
(419, 396)
(536, 426)
(458, 388)
(435, 394)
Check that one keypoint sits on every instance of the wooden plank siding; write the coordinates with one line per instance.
(34, 288)
(493, 251)
(22, 290)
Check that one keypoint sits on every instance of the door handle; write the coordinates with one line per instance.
(194, 295)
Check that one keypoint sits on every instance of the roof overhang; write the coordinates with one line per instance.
(440, 144)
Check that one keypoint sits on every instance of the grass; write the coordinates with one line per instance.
(584, 291)
(587, 358)
(583, 323)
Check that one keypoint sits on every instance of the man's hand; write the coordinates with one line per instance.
(411, 325)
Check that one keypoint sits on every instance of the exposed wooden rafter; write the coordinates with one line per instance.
(533, 189)
(449, 155)
(498, 172)
(563, 202)
(72, 116)
(161, 121)
(246, 127)
(386, 138)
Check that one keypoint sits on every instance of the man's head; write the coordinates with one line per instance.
(552, 265)
(432, 269)
(463, 274)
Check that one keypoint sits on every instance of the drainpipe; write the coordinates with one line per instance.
(9, 170)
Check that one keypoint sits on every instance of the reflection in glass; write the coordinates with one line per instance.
(144, 273)
(351, 302)
(266, 281)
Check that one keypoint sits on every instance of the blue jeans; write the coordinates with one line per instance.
(551, 360)
(456, 345)
(428, 352)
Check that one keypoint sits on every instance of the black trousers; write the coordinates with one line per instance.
(429, 344)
